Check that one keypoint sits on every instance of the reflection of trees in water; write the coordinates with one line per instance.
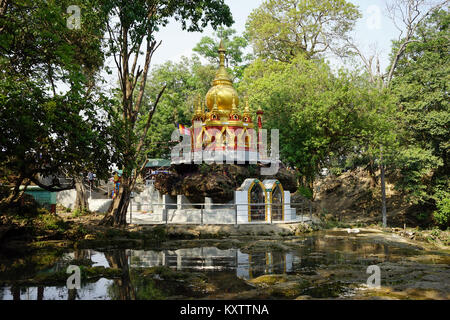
(40, 293)
(72, 294)
(15, 292)
(139, 284)
(122, 288)
(80, 254)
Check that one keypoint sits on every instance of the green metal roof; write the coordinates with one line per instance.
(156, 163)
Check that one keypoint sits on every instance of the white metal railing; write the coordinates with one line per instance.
(211, 206)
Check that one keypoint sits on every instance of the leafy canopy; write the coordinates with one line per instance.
(282, 29)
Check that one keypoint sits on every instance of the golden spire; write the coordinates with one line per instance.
(198, 114)
(221, 51)
(222, 76)
(246, 108)
(199, 106)
(222, 86)
(235, 116)
(247, 116)
(234, 108)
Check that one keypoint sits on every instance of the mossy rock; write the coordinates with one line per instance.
(288, 289)
(51, 244)
(264, 245)
(169, 274)
(88, 273)
(268, 279)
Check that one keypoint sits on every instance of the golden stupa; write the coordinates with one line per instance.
(222, 92)
(221, 126)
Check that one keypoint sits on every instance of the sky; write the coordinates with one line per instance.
(374, 30)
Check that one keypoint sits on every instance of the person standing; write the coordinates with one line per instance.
(116, 184)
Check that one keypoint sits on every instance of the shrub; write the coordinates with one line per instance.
(78, 213)
(51, 221)
(442, 214)
(305, 191)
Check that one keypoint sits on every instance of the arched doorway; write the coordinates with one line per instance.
(277, 203)
(256, 202)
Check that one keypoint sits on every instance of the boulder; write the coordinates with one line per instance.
(217, 181)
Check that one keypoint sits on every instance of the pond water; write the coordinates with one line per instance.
(332, 264)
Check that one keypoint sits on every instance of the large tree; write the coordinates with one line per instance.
(407, 16)
(420, 87)
(132, 28)
(281, 29)
(50, 106)
(319, 114)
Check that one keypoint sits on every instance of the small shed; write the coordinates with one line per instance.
(155, 166)
(43, 197)
(157, 163)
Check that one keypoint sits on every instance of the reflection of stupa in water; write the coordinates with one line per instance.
(246, 266)
(221, 132)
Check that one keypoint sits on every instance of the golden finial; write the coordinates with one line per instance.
(198, 114)
(246, 108)
(198, 102)
(222, 51)
(233, 106)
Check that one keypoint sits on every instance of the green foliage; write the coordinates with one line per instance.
(187, 82)
(159, 233)
(305, 191)
(204, 168)
(416, 166)
(442, 214)
(420, 89)
(282, 29)
(78, 213)
(132, 28)
(51, 222)
(319, 114)
(236, 59)
(46, 131)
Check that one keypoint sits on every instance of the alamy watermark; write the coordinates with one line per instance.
(74, 20)
(238, 146)
(374, 19)
(74, 280)
(374, 280)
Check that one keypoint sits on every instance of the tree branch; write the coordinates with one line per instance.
(51, 187)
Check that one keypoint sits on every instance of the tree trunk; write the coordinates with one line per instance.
(16, 193)
(118, 211)
(383, 191)
(81, 201)
(15, 292)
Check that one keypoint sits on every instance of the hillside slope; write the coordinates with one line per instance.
(354, 197)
